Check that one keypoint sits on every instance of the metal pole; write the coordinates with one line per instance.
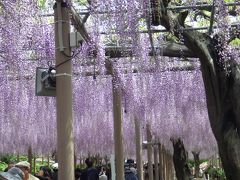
(149, 152)
(138, 149)
(65, 149)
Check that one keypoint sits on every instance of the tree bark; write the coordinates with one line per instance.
(222, 85)
(180, 160)
(223, 102)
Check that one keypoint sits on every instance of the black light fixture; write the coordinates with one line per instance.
(45, 84)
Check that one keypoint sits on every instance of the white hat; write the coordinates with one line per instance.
(23, 164)
(55, 166)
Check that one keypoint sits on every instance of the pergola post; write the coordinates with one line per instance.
(156, 167)
(160, 161)
(65, 146)
(34, 164)
(118, 132)
(48, 161)
(30, 157)
(168, 166)
(164, 163)
(138, 139)
(117, 120)
(171, 167)
(149, 152)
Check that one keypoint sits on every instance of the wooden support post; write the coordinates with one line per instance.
(149, 152)
(65, 146)
(156, 167)
(118, 132)
(164, 163)
(34, 164)
(117, 117)
(167, 167)
(160, 162)
(48, 160)
(172, 168)
(80, 160)
(75, 161)
(55, 156)
(138, 148)
(18, 157)
(30, 157)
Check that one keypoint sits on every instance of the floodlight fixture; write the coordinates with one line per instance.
(45, 83)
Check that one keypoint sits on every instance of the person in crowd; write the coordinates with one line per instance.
(55, 171)
(102, 174)
(83, 175)
(92, 172)
(44, 173)
(77, 174)
(10, 165)
(130, 171)
(108, 171)
(25, 167)
(13, 173)
(32, 177)
(145, 171)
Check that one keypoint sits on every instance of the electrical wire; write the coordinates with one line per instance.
(70, 58)
(65, 54)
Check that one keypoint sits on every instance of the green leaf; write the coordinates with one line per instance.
(235, 42)
(82, 2)
(42, 3)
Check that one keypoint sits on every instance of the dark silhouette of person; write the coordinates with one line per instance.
(55, 171)
(77, 173)
(45, 173)
(130, 171)
(92, 172)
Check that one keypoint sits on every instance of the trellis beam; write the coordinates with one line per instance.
(164, 30)
(167, 49)
(199, 7)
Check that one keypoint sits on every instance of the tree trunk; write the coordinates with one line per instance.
(196, 164)
(221, 78)
(180, 160)
(222, 93)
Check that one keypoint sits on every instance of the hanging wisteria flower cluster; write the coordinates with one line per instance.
(155, 90)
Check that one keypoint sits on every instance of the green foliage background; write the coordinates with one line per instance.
(6, 159)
